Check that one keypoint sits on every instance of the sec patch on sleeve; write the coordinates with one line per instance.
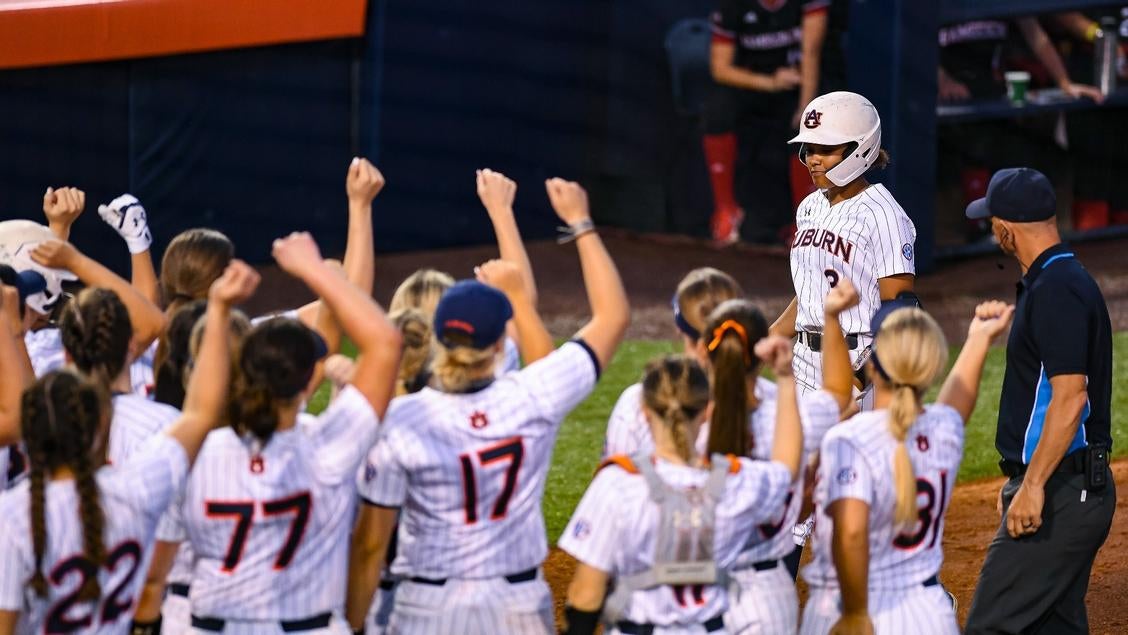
(907, 251)
(846, 476)
(582, 529)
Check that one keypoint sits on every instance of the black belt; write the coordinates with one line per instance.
(387, 585)
(933, 581)
(179, 589)
(215, 625)
(763, 565)
(634, 628)
(1072, 463)
(814, 340)
(524, 576)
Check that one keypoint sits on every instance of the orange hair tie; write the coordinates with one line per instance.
(734, 326)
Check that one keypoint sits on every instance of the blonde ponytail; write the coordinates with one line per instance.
(909, 353)
(677, 390)
(459, 367)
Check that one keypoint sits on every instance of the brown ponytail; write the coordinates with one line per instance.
(61, 415)
(676, 389)
(732, 330)
(909, 353)
(276, 363)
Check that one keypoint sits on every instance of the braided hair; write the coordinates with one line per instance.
(676, 389)
(96, 331)
(60, 416)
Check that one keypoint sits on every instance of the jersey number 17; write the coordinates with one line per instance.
(510, 450)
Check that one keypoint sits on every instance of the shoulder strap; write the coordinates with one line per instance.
(619, 460)
(722, 466)
(645, 464)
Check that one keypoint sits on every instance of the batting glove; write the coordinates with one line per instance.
(128, 219)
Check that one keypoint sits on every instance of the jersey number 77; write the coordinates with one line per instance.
(243, 513)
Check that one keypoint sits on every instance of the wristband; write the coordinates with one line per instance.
(145, 628)
(575, 230)
(579, 622)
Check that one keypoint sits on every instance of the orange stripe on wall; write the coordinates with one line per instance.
(48, 32)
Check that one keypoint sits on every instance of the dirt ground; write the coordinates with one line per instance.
(651, 268)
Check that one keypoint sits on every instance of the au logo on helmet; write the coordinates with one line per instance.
(813, 119)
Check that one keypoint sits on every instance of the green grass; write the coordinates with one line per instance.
(581, 437)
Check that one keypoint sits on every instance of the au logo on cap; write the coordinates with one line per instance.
(813, 119)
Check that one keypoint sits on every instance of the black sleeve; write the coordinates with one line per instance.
(1060, 325)
(726, 19)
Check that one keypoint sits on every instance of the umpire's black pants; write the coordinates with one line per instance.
(1037, 584)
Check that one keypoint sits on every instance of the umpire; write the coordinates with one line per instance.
(1053, 429)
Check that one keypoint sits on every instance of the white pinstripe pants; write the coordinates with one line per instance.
(807, 365)
(918, 609)
(176, 615)
(473, 607)
(765, 603)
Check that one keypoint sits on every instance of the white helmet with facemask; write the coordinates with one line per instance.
(17, 239)
(842, 118)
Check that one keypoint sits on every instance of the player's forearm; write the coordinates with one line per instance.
(365, 562)
(149, 602)
(1044, 50)
(1063, 415)
(146, 318)
(610, 309)
(787, 446)
(360, 247)
(512, 249)
(144, 277)
(533, 339)
(731, 75)
(961, 388)
(206, 395)
(784, 325)
(16, 368)
(1078, 26)
(838, 373)
(814, 35)
(850, 552)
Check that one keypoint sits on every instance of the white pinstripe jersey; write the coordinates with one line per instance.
(133, 495)
(614, 529)
(818, 412)
(468, 470)
(136, 419)
(45, 348)
(271, 535)
(864, 239)
(857, 462)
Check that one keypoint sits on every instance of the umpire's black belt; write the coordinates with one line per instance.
(634, 628)
(524, 576)
(1072, 463)
(215, 625)
(814, 340)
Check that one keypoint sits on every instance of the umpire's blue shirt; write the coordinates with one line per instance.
(1061, 327)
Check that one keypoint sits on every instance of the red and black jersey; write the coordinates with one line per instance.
(971, 53)
(767, 33)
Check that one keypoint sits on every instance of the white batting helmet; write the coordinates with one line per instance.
(17, 239)
(840, 118)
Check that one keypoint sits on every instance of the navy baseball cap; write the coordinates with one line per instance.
(902, 301)
(1019, 195)
(471, 314)
(27, 283)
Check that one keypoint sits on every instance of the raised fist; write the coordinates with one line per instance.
(363, 182)
(568, 199)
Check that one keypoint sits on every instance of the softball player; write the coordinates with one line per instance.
(698, 293)
(879, 531)
(464, 463)
(74, 535)
(615, 532)
(743, 423)
(95, 331)
(268, 509)
(846, 229)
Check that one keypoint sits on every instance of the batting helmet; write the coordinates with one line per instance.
(841, 118)
(17, 239)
